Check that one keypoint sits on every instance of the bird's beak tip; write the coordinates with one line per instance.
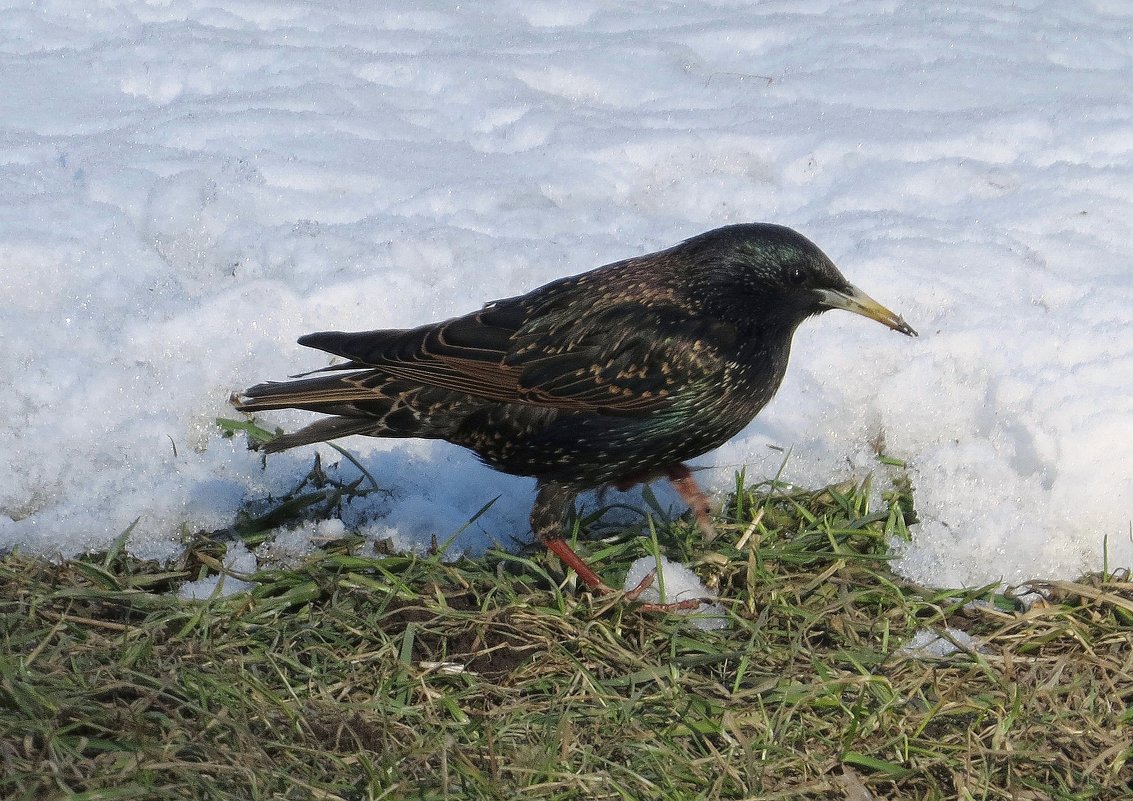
(854, 300)
(899, 325)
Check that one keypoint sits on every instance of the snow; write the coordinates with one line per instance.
(188, 188)
(239, 561)
(928, 644)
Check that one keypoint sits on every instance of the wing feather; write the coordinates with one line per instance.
(626, 359)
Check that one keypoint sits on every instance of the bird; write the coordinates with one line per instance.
(612, 377)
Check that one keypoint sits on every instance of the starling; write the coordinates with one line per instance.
(608, 378)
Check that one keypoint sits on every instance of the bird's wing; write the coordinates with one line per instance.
(624, 359)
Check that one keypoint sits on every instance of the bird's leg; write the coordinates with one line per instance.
(691, 493)
(551, 504)
(681, 478)
(629, 482)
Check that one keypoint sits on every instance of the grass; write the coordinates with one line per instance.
(364, 675)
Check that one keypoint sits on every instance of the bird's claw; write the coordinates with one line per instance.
(642, 586)
(651, 606)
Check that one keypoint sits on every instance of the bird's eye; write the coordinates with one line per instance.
(796, 276)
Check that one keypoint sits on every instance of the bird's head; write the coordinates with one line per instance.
(774, 275)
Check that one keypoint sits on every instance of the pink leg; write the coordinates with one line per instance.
(551, 504)
(559, 547)
(681, 478)
(691, 493)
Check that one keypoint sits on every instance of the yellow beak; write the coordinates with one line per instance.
(854, 300)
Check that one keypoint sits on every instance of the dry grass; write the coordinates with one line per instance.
(366, 676)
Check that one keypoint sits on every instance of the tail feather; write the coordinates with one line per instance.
(366, 402)
(315, 394)
(321, 431)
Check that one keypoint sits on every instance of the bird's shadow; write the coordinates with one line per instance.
(431, 494)
(406, 496)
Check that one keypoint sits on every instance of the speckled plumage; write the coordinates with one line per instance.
(612, 376)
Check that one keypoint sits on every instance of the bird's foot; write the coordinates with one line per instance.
(650, 606)
(561, 549)
(551, 504)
